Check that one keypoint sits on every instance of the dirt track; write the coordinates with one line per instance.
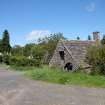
(15, 89)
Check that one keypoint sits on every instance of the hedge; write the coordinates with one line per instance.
(23, 61)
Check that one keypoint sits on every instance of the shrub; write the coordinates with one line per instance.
(18, 60)
(1, 58)
(23, 61)
(96, 57)
(6, 59)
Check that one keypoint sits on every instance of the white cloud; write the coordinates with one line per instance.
(91, 7)
(36, 34)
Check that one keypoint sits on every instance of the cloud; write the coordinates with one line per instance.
(36, 34)
(91, 7)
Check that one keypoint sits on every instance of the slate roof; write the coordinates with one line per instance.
(78, 49)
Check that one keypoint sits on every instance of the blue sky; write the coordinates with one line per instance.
(29, 19)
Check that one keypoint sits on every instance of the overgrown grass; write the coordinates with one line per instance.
(58, 76)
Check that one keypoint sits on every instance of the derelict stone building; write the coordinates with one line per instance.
(70, 54)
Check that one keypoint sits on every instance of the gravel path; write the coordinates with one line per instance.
(15, 89)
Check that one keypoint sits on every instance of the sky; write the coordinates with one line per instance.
(27, 20)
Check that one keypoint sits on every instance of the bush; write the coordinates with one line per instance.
(1, 58)
(18, 61)
(6, 59)
(23, 61)
(96, 57)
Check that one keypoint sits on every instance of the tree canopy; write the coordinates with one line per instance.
(27, 50)
(103, 40)
(0, 45)
(6, 42)
(49, 44)
(17, 50)
(78, 38)
(89, 37)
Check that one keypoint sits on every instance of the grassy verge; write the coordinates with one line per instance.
(61, 77)
(21, 68)
(58, 76)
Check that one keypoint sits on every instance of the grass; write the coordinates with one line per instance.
(58, 76)
(21, 68)
(55, 75)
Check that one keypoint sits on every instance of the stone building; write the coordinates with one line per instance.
(70, 54)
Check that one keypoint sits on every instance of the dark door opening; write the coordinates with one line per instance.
(68, 67)
(61, 55)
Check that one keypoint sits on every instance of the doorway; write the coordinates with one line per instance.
(68, 67)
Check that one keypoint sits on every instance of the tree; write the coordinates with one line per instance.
(0, 45)
(38, 53)
(96, 58)
(103, 40)
(89, 37)
(17, 50)
(78, 38)
(6, 48)
(28, 49)
(50, 43)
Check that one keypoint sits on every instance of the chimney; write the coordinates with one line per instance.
(96, 36)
